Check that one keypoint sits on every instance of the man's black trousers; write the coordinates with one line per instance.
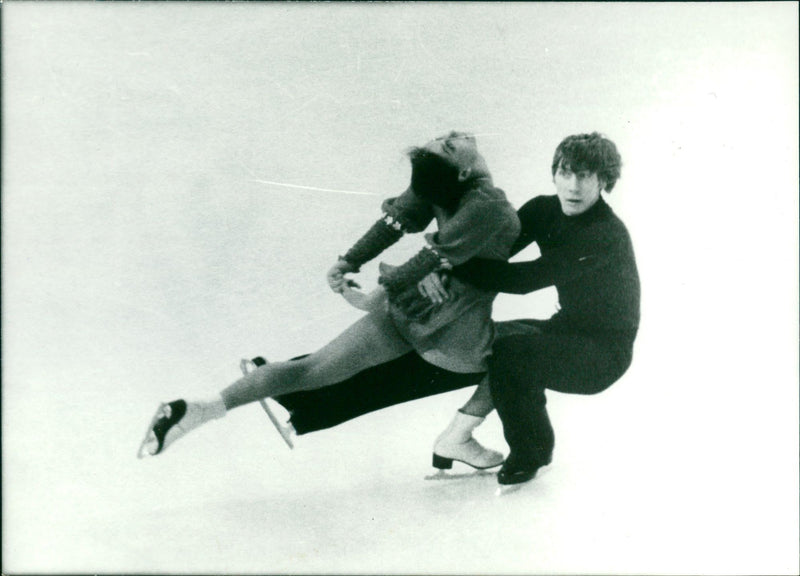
(403, 379)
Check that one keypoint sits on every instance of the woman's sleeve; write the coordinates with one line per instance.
(460, 238)
(413, 213)
(405, 213)
(474, 226)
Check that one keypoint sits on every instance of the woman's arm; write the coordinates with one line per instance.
(362, 300)
(474, 225)
(406, 213)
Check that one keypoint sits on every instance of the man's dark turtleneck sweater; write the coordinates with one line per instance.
(588, 258)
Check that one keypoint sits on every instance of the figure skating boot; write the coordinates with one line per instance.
(175, 419)
(457, 443)
(516, 472)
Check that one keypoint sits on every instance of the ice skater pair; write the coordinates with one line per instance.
(587, 254)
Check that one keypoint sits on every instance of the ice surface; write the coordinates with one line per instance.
(145, 252)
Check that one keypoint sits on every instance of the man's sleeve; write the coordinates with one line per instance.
(530, 216)
(556, 267)
(405, 213)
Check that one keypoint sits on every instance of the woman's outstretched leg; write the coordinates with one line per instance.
(370, 341)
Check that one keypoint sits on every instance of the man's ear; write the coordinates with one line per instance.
(464, 173)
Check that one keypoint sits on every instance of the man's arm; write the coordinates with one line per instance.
(529, 217)
(556, 267)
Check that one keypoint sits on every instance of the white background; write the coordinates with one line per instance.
(144, 254)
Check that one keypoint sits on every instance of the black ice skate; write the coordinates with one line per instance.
(164, 423)
(514, 475)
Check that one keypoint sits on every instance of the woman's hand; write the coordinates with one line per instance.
(336, 279)
(361, 300)
(434, 287)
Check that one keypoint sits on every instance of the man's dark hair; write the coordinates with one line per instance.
(593, 152)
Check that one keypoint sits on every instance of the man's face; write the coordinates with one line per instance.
(577, 191)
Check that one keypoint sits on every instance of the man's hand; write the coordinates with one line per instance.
(336, 279)
(434, 287)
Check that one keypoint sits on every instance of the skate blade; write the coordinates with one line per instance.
(285, 431)
(505, 490)
(149, 435)
(442, 475)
